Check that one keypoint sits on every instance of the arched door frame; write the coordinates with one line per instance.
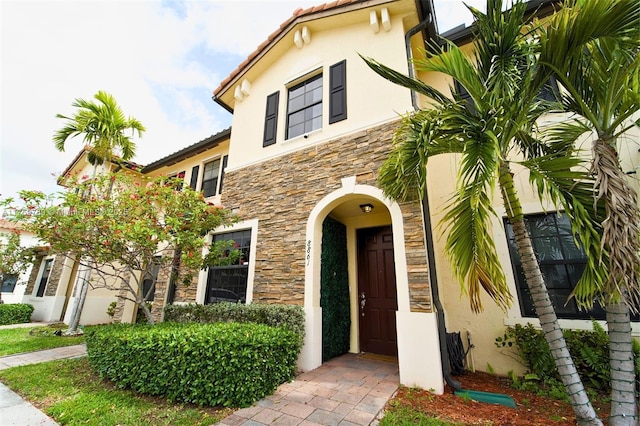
(311, 356)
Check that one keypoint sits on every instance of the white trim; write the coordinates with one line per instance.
(36, 285)
(311, 355)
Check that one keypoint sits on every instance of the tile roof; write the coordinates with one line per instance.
(7, 224)
(116, 160)
(297, 14)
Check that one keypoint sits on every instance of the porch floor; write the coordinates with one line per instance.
(348, 390)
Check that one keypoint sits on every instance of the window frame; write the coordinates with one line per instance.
(247, 237)
(38, 285)
(298, 84)
(219, 178)
(566, 310)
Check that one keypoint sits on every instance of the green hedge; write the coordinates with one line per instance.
(225, 364)
(334, 290)
(15, 313)
(290, 317)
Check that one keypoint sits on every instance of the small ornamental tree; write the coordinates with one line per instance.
(14, 258)
(123, 228)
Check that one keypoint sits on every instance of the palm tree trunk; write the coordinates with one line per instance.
(585, 414)
(84, 285)
(621, 240)
(623, 383)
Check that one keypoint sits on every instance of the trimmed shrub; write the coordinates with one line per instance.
(15, 313)
(290, 317)
(225, 364)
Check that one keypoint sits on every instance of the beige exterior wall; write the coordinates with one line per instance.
(486, 326)
(370, 99)
(187, 165)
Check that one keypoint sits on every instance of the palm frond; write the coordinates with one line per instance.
(406, 81)
(471, 248)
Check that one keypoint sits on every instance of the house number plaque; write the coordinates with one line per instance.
(308, 252)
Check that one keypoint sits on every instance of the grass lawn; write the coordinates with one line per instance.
(18, 340)
(72, 394)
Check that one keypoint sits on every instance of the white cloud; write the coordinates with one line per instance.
(160, 60)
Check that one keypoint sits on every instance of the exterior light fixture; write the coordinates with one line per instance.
(366, 208)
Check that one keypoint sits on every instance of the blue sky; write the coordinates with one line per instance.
(161, 60)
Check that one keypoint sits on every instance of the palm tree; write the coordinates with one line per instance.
(495, 125)
(102, 125)
(602, 90)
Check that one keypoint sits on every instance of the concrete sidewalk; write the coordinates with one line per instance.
(15, 411)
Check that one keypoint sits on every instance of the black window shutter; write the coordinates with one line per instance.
(338, 92)
(194, 177)
(224, 166)
(271, 119)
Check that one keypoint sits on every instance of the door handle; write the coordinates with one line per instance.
(363, 302)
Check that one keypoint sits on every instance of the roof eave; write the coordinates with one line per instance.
(198, 147)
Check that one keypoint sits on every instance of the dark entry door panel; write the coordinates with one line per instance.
(377, 291)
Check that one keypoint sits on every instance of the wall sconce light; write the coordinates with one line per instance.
(366, 208)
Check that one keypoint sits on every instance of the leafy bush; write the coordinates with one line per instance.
(225, 364)
(589, 349)
(15, 313)
(288, 316)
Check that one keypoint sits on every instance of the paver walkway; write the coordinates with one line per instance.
(348, 390)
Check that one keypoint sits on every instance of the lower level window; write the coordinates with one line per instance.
(229, 283)
(44, 277)
(561, 261)
(9, 282)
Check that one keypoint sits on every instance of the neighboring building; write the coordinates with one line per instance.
(14, 286)
(54, 282)
(311, 126)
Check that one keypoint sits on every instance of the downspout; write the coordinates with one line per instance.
(426, 217)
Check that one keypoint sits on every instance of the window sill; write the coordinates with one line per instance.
(303, 137)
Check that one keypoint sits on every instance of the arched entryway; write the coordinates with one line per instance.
(344, 206)
(416, 332)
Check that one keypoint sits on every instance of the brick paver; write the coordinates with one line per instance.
(348, 390)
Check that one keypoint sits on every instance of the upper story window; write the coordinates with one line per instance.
(304, 107)
(176, 181)
(212, 177)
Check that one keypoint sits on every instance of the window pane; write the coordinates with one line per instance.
(561, 263)
(547, 248)
(542, 225)
(296, 118)
(570, 250)
(304, 107)
(210, 178)
(296, 130)
(9, 282)
(297, 103)
(229, 283)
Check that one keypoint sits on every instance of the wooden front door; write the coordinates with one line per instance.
(377, 299)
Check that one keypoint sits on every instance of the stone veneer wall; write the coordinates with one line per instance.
(54, 275)
(281, 193)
